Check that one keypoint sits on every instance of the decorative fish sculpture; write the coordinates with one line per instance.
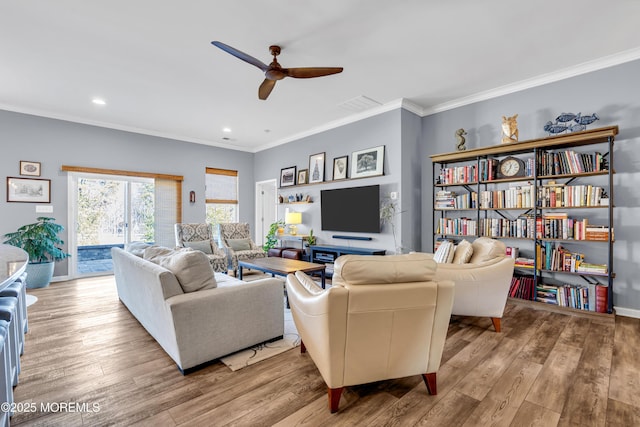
(586, 120)
(565, 117)
(577, 128)
(555, 127)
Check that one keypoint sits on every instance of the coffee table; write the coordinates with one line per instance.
(282, 267)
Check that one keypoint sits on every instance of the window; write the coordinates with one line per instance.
(221, 195)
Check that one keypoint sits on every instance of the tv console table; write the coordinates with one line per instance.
(327, 254)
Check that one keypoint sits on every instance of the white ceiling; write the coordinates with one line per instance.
(153, 63)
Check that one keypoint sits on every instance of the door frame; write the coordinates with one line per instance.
(260, 204)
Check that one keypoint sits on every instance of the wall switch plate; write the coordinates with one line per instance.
(393, 195)
(44, 209)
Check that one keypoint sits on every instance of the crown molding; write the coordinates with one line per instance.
(585, 67)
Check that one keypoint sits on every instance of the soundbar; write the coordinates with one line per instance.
(342, 236)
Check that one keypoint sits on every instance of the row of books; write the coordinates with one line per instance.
(457, 226)
(451, 200)
(558, 225)
(590, 297)
(570, 162)
(458, 175)
(521, 227)
(560, 195)
(554, 257)
(522, 196)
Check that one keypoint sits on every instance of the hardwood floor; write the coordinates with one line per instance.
(545, 369)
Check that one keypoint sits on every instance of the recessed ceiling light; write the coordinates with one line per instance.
(226, 130)
(99, 101)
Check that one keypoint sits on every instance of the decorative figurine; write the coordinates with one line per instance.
(565, 117)
(586, 120)
(509, 129)
(460, 139)
(563, 123)
(554, 128)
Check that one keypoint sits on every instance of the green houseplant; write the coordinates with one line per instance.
(41, 241)
(272, 241)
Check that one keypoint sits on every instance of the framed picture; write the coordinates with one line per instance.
(303, 176)
(28, 190)
(288, 176)
(316, 168)
(29, 168)
(367, 162)
(340, 167)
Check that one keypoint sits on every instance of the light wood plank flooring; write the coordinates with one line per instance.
(544, 369)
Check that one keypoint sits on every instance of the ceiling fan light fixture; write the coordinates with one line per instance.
(226, 130)
(99, 101)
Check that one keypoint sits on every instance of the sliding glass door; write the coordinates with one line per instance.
(108, 211)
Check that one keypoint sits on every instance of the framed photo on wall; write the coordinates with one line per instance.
(288, 176)
(316, 168)
(369, 162)
(303, 176)
(340, 167)
(28, 190)
(29, 168)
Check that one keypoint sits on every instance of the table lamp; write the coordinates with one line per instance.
(292, 219)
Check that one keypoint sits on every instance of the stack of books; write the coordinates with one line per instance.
(445, 200)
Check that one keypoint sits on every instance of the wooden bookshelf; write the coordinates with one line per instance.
(593, 167)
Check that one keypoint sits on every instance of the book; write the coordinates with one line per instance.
(602, 298)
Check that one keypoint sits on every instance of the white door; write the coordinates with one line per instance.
(266, 208)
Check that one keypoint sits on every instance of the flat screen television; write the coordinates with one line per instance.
(354, 209)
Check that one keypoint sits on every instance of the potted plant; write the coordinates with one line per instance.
(41, 241)
(271, 235)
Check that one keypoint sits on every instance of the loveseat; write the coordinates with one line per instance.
(198, 326)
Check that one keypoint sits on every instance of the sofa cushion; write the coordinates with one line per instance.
(463, 253)
(485, 249)
(239, 244)
(445, 252)
(136, 248)
(200, 245)
(192, 268)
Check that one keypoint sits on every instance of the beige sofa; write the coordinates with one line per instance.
(384, 317)
(200, 326)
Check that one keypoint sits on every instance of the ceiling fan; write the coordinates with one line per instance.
(274, 71)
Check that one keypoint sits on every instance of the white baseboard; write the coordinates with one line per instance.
(627, 312)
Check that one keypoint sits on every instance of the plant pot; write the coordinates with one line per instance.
(39, 275)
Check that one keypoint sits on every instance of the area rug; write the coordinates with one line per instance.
(260, 352)
(31, 299)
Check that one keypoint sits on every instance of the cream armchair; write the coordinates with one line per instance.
(384, 317)
(199, 236)
(235, 239)
(482, 284)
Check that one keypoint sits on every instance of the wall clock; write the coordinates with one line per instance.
(510, 167)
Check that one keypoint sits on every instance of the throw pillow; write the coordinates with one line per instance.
(200, 245)
(463, 252)
(239, 244)
(136, 248)
(444, 253)
(192, 269)
(154, 253)
(485, 249)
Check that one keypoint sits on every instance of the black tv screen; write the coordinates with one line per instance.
(355, 209)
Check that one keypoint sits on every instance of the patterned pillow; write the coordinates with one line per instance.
(200, 245)
(444, 253)
(463, 252)
(239, 244)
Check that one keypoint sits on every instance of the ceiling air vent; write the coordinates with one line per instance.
(359, 103)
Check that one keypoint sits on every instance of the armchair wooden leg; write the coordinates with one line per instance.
(496, 323)
(430, 382)
(303, 349)
(334, 398)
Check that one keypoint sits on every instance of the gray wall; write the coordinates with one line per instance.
(612, 93)
(55, 143)
(383, 129)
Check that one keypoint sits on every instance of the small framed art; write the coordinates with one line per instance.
(288, 176)
(28, 190)
(340, 167)
(29, 168)
(303, 176)
(369, 162)
(316, 168)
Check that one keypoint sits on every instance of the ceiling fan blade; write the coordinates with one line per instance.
(265, 88)
(306, 73)
(241, 55)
